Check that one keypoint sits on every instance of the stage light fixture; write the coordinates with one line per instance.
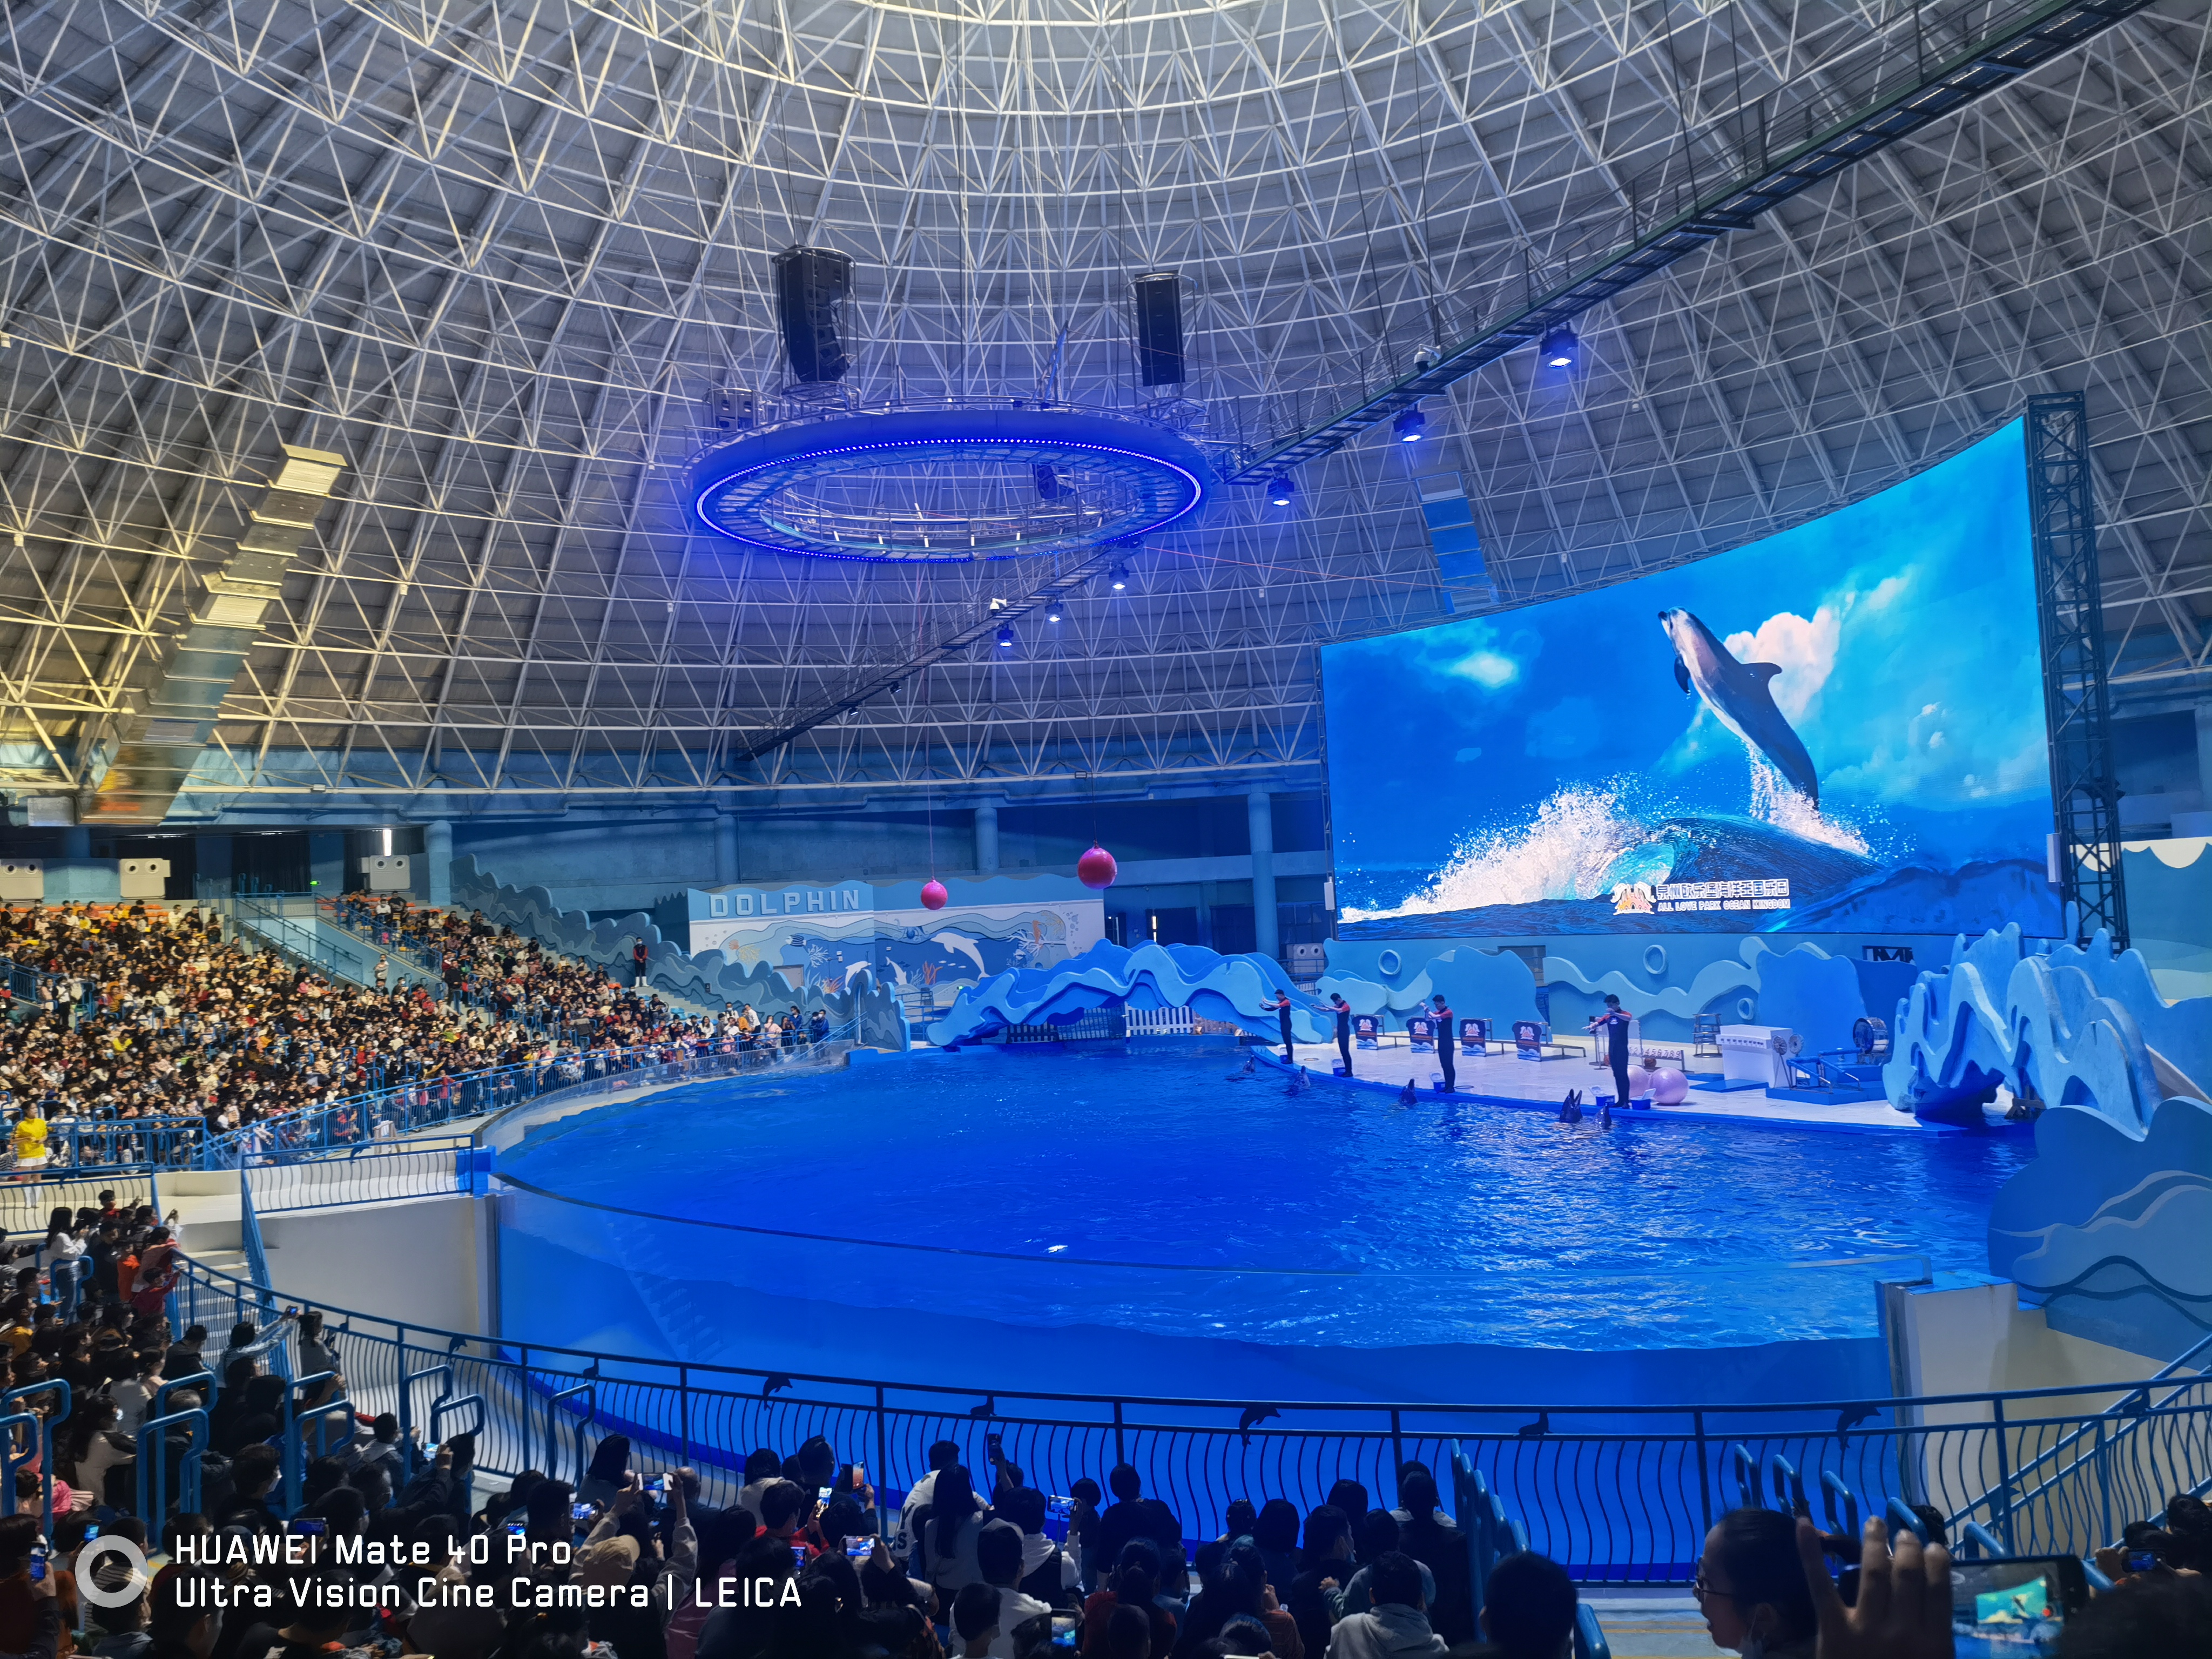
(1280, 492)
(1005, 637)
(1047, 483)
(1052, 613)
(1558, 349)
(1411, 426)
(1120, 577)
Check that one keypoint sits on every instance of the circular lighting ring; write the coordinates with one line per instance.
(734, 486)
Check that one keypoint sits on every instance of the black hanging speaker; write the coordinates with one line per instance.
(811, 286)
(1159, 329)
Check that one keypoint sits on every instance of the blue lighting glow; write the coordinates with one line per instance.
(1411, 426)
(840, 488)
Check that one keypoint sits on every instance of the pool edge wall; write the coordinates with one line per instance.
(580, 1276)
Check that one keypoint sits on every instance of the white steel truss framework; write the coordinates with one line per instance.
(511, 259)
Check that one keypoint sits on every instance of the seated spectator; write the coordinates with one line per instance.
(1048, 1572)
(1752, 1588)
(1132, 1515)
(1315, 1597)
(1023, 1623)
(1275, 1531)
(1375, 1536)
(2169, 1617)
(1441, 1550)
(1398, 1625)
(1128, 1636)
(956, 1521)
(975, 1619)
(1237, 1588)
(1529, 1608)
(1135, 1587)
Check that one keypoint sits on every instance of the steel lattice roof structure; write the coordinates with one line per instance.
(510, 260)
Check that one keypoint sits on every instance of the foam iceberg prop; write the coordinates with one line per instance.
(708, 980)
(1231, 990)
(2110, 1230)
(2082, 1027)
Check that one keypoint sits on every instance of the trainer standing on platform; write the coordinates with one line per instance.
(1614, 1024)
(1447, 1042)
(1342, 1010)
(1282, 1007)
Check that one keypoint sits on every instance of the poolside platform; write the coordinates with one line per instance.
(1505, 1079)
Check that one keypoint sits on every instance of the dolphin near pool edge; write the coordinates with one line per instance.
(1741, 694)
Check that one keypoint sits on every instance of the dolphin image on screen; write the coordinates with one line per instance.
(1742, 694)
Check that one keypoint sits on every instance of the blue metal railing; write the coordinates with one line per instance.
(1618, 1493)
(406, 1108)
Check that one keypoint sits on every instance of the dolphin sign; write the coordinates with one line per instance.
(1741, 694)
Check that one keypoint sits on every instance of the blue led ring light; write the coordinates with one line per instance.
(1151, 479)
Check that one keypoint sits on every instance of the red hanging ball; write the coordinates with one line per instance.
(933, 896)
(1096, 868)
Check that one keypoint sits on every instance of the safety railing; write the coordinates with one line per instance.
(408, 1107)
(2118, 1465)
(1621, 1493)
(27, 1202)
(28, 988)
(118, 1143)
(378, 1173)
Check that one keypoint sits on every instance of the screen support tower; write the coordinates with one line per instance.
(2085, 791)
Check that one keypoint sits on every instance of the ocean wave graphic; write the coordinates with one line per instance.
(1232, 989)
(1586, 839)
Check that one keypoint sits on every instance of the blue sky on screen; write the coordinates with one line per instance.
(1904, 627)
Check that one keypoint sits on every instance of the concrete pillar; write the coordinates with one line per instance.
(986, 838)
(438, 861)
(725, 849)
(1260, 813)
(76, 842)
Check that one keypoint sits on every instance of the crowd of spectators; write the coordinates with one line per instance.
(385, 1549)
(153, 1012)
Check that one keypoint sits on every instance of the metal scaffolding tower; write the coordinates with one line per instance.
(2085, 791)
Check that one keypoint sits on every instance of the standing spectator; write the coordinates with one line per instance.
(1752, 1586)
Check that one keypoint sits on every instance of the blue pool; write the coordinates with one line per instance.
(1150, 1212)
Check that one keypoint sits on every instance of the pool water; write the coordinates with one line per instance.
(1167, 1195)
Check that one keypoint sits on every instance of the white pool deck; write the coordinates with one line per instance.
(1505, 1079)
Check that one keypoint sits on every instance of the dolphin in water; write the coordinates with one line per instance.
(1742, 694)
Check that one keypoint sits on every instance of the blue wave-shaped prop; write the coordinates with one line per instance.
(1231, 990)
(710, 978)
(2081, 1028)
(2109, 1229)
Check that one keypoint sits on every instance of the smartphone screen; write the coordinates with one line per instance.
(799, 1556)
(859, 1549)
(309, 1528)
(579, 1512)
(998, 1446)
(822, 1494)
(91, 1533)
(38, 1563)
(2141, 1561)
(2014, 1608)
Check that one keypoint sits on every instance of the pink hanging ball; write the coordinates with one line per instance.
(1096, 868)
(933, 896)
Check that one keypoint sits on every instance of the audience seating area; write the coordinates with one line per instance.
(238, 1456)
(153, 1029)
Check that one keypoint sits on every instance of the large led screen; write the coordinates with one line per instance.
(1839, 729)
